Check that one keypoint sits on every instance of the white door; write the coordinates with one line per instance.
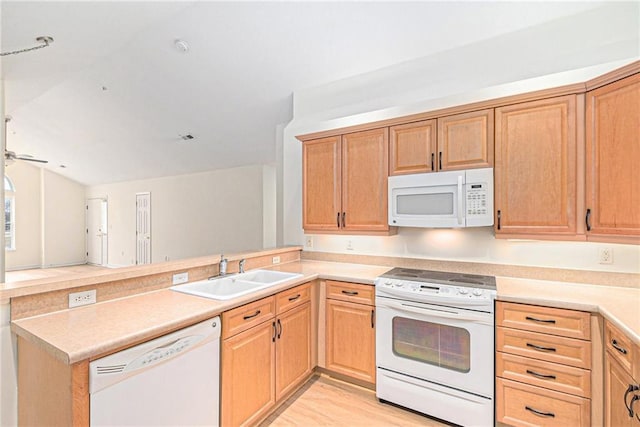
(97, 231)
(143, 228)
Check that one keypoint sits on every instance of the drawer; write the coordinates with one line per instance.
(525, 405)
(286, 300)
(546, 320)
(556, 377)
(244, 317)
(352, 292)
(621, 348)
(566, 351)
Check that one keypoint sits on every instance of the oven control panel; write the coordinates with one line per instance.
(436, 290)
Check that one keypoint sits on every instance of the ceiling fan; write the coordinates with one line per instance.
(11, 156)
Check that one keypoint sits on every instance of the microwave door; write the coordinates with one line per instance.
(428, 206)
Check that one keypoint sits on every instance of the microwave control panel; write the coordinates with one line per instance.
(477, 199)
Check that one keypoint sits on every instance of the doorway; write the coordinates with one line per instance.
(97, 238)
(143, 228)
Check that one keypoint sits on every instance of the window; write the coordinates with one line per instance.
(9, 214)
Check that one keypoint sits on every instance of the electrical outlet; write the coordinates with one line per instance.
(275, 260)
(77, 299)
(308, 243)
(180, 278)
(605, 255)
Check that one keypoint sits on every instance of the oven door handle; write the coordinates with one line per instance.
(483, 318)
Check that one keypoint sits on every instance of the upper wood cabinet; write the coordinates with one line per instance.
(412, 148)
(322, 184)
(345, 182)
(535, 167)
(460, 141)
(465, 141)
(612, 159)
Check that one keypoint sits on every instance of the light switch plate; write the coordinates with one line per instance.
(180, 278)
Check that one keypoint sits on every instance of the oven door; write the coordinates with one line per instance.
(449, 346)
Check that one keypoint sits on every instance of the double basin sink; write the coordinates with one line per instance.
(229, 287)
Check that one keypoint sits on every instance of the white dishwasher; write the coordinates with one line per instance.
(171, 380)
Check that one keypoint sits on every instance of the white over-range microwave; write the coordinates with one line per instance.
(442, 199)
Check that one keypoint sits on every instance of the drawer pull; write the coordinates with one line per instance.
(294, 298)
(351, 293)
(540, 348)
(251, 316)
(543, 376)
(615, 345)
(631, 389)
(542, 414)
(533, 319)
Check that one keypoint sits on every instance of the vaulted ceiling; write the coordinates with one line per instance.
(111, 97)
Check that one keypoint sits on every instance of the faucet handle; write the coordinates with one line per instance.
(241, 265)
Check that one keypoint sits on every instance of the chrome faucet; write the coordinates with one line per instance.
(241, 265)
(222, 265)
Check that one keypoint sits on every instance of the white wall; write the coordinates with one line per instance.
(49, 218)
(191, 215)
(564, 51)
(63, 221)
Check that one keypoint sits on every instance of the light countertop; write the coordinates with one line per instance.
(92, 331)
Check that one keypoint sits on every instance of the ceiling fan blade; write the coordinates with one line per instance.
(31, 160)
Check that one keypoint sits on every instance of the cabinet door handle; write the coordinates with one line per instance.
(587, 220)
(533, 319)
(630, 389)
(543, 376)
(540, 348)
(499, 215)
(279, 328)
(373, 319)
(542, 414)
(433, 155)
(294, 298)
(440, 160)
(338, 220)
(251, 316)
(351, 293)
(273, 338)
(344, 214)
(615, 345)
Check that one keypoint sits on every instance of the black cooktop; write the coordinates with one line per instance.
(442, 277)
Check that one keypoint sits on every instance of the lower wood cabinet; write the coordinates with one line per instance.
(265, 362)
(543, 366)
(622, 382)
(350, 330)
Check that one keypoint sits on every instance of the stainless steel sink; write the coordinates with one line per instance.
(229, 287)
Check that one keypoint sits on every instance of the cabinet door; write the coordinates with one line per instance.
(365, 167)
(321, 184)
(412, 148)
(535, 171)
(293, 349)
(613, 156)
(465, 141)
(248, 375)
(616, 383)
(350, 339)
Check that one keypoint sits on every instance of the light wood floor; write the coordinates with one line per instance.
(42, 273)
(324, 401)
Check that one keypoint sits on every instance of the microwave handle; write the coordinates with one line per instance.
(460, 200)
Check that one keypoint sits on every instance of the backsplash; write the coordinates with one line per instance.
(479, 245)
